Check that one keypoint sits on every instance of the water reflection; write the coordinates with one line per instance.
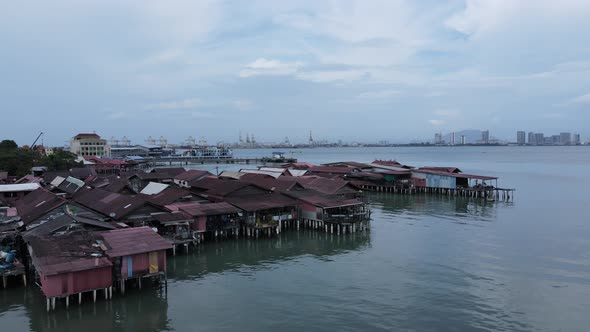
(148, 309)
(144, 310)
(244, 254)
(455, 209)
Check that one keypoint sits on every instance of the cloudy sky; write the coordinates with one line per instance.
(353, 70)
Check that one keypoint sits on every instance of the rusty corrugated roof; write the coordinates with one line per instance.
(131, 241)
(110, 204)
(36, 204)
(262, 202)
(210, 209)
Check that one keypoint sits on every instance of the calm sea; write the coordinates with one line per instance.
(427, 264)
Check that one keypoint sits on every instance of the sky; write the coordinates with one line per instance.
(363, 70)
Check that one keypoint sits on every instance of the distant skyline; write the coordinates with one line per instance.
(350, 70)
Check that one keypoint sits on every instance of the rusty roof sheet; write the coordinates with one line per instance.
(323, 185)
(217, 186)
(332, 169)
(49, 176)
(170, 172)
(261, 172)
(329, 202)
(36, 204)
(441, 169)
(82, 172)
(456, 175)
(353, 164)
(191, 175)
(270, 184)
(166, 196)
(210, 209)
(172, 217)
(115, 185)
(110, 204)
(262, 202)
(52, 255)
(131, 241)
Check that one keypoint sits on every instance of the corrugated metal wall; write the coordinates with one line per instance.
(76, 282)
(440, 181)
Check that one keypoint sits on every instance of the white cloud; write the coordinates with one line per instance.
(202, 115)
(552, 115)
(322, 76)
(583, 99)
(449, 113)
(263, 66)
(118, 115)
(178, 22)
(436, 122)
(191, 103)
(382, 94)
(480, 17)
(243, 104)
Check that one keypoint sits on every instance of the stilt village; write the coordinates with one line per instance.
(90, 233)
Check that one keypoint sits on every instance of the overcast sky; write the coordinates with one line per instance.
(352, 70)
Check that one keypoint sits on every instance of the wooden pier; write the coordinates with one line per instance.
(489, 193)
(170, 161)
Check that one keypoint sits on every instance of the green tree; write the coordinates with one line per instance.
(16, 161)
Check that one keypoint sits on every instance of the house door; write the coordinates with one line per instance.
(153, 262)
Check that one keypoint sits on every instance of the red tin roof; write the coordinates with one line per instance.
(262, 202)
(210, 209)
(131, 241)
(36, 204)
(110, 204)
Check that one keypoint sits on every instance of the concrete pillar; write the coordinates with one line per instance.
(48, 301)
(53, 303)
(79, 298)
(67, 301)
(94, 296)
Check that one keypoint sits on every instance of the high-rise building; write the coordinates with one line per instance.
(485, 136)
(520, 137)
(576, 140)
(438, 138)
(452, 138)
(539, 138)
(462, 139)
(565, 138)
(531, 140)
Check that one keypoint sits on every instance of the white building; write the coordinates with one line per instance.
(89, 145)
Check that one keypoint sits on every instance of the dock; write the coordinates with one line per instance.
(180, 161)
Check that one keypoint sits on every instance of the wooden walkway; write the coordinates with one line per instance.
(489, 193)
(213, 161)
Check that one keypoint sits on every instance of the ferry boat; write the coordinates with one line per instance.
(205, 152)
